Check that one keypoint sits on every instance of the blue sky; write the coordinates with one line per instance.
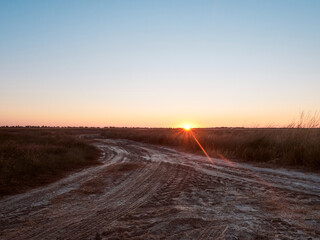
(158, 63)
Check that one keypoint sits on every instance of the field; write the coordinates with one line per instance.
(159, 183)
(32, 157)
(298, 147)
(144, 191)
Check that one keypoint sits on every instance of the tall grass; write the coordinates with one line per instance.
(296, 145)
(30, 157)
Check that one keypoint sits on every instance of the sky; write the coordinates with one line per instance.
(158, 63)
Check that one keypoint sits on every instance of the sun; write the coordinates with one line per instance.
(186, 127)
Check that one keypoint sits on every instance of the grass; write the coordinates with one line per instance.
(299, 147)
(31, 157)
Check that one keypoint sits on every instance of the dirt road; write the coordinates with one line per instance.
(142, 191)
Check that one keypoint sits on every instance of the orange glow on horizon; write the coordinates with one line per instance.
(98, 118)
(187, 127)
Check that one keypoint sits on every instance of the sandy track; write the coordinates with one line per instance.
(147, 192)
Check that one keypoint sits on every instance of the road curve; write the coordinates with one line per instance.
(142, 191)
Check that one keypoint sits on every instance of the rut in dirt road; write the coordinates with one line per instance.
(146, 192)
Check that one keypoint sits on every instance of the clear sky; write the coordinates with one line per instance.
(158, 63)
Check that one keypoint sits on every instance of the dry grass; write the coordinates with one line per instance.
(296, 145)
(31, 157)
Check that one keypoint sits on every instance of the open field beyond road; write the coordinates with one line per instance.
(141, 191)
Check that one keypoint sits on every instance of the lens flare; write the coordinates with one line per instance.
(188, 132)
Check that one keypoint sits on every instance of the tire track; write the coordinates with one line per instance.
(147, 192)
